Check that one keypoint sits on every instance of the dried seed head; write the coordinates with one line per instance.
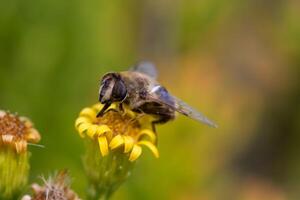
(56, 188)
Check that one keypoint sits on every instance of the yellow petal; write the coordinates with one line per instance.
(83, 128)
(128, 143)
(151, 146)
(27, 122)
(135, 153)
(21, 146)
(92, 130)
(112, 106)
(2, 113)
(33, 136)
(97, 107)
(129, 111)
(88, 112)
(6, 139)
(81, 120)
(103, 145)
(145, 121)
(116, 142)
(149, 133)
(103, 129)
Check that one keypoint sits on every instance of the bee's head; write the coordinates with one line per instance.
(112, 89)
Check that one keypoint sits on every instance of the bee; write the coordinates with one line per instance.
(139, 89)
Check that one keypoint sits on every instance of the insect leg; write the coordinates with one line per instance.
(153, 127)
(102, 111)
(110, 110)
(121, 108)
(163, 118)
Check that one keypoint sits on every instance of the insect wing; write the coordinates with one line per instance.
(161, 95)
(187, 110)
(145, 67)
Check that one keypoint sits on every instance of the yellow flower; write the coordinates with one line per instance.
(15, 133)
(115, 130)
(114, 142)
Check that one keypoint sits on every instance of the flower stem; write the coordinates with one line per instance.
(107, 173)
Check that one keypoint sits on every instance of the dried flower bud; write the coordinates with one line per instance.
(15, 133)
(57, 188)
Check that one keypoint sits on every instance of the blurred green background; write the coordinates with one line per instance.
(236, 61)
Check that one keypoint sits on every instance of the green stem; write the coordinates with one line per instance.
(105, 174)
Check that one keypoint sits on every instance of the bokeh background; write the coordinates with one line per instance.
(236, 61)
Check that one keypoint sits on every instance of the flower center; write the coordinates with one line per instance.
(11, 125)
(120, 124)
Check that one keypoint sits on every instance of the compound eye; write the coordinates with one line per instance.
(104, 90)
(119, 91)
